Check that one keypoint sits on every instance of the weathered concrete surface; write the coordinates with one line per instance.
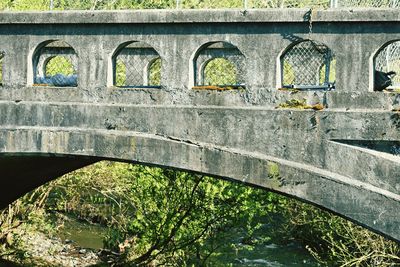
(236, 143)
(344, 158)
(200, 16)
(262, 36)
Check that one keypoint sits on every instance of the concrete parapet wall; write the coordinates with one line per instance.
(354, 36)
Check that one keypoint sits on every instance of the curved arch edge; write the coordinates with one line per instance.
(360, 202)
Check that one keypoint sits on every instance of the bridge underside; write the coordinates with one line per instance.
(23, 173)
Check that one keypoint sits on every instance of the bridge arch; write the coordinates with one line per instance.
(135, 64)
(54, 63)
(209, 62)
(70, 150)
(306, 64)
(386, 59)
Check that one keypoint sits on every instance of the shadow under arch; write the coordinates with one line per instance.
(64, 68)
(220, 53)
(129, 65)
(306, 64)
(319, 187)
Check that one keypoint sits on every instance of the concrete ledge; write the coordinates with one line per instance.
(201, 16)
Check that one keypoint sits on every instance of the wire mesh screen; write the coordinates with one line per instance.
(220, 71)
(220, 64)
(56, 64)
(253, 4)
(388, 59)
(209, 4)
(288, 3)
(366, 3)
(137, 65)
(194, 4)
(308, 64)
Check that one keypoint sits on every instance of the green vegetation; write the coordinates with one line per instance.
(155, 72)
(120, 73)
(220, 71)
(59, 65)
(157, 216)
(154, 4)
(334, 241)
(332, 72)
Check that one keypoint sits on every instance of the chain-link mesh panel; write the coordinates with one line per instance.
(308, 64)
(388, 59)
(367, 3)
(321, 3)
(288, 3)
(56, 64)
(59, 64)
(220, 71)
(192, 4)
(220, 64)
(137, 65)
(199, 4)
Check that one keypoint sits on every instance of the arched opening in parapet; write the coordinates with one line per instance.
(308, 65)
(136, 65)
(1, 67)
(55, 63)
(219, 65)
(386, 67)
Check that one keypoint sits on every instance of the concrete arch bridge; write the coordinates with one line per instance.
(141, 86)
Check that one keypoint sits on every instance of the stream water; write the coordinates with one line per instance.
(83, 234)
(271, 255)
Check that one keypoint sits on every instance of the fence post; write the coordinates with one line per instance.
(177, 4)
(334, 3)
(245, 4)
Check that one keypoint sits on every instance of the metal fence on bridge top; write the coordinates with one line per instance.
(296, 3)
(247, 4)
(366, 3)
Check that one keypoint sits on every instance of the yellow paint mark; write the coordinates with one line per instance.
(217, 88)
